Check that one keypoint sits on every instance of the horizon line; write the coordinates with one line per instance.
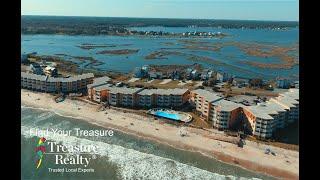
(163, 18)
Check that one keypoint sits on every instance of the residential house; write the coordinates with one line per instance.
(206, 74)
(137, 72)
(24, 58)
(195, 75)
(35, 68)
(296, 84)
(155, 75)
(219, 77)
(51, 71)
(283, 83)
(240, 82)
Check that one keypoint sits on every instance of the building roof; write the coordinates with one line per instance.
(78, 77)
(49, 68)
(175, 91)
(102, 87)
(35, 65)
(250, 100)
(240, 79)
(225, 105)
(115, 90)
(84, 76)
(52, 79)
(267, 108)
(99, 81)
(102, 79)
(124, 90)
(34, 76)
(210, 96)
(292, 93)
(260, 111)
(285, 101)
(275, 106)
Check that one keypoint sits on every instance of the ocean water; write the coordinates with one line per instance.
(231, 57)
(121, 156)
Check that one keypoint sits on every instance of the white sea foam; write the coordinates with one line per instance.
(43, 116)
(26, 117)
(55, 112)
(133, 164)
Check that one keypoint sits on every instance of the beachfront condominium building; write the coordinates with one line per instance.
(123, 96)
(225, 114)
(162, 97)
(202, 100)
(274, 114)
(290, 101)
(278, 112)
(221, 113)
(132, 97)
(55, 85)
(95, 93)
(33, 81)
(99, 93)
(76, 83)
(261, 120)
(265, 118)
(116, 96)
(146, 98)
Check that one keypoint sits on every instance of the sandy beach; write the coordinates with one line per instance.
(284, 165)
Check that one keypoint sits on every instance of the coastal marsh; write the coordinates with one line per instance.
(245, 53)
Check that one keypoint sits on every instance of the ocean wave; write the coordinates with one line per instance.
(133, 164)
(56, 112)
(26, 117)
(44, 116)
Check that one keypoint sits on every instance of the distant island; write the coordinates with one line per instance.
(121, 26)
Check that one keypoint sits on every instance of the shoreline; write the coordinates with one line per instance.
(168, 135)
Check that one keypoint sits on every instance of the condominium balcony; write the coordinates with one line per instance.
(261, 130)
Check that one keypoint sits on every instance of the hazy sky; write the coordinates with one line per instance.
(206, 9)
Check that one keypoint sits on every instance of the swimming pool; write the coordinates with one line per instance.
(168, 115)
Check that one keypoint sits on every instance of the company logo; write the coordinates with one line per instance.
(40, 150)
(67, 155)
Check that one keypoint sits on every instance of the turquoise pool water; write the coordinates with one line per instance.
(168, 115)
